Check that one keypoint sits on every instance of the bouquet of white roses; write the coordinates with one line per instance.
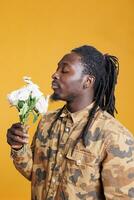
(28, 99)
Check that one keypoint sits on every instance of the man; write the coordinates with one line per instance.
(79, 152)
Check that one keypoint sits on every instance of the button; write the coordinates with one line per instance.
(53, 180)
(60, 155)
(67, 129)
(78, 162)
(56, 169)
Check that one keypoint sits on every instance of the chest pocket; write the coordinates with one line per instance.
(81, 168)
(82, 158)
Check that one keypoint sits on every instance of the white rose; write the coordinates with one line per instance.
(23, 94)
(42, 104)
(36, 93)
(34, 90)
(13, 97)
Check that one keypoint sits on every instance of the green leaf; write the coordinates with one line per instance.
(20, 104)
(27, 107)
(35, 116)
(29, 101)
(24, 109)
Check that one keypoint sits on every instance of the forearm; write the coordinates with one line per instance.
(118, 182)
(118, 172)
(22, 160)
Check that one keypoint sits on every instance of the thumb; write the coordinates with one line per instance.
(26, 128)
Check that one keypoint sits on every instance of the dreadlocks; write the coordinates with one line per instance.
(105, 70)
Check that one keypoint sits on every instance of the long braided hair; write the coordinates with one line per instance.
(105, 69)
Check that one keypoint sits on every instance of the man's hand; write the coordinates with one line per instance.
(17, 136)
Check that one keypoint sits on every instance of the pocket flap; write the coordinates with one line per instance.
(82, 157)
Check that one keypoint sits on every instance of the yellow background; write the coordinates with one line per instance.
(34, 35)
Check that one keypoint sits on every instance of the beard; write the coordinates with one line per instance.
(55, 97)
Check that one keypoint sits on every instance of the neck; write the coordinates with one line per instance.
(78, 104)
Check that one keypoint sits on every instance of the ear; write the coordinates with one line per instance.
(89, 81)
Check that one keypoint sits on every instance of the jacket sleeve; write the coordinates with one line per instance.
(118, 166)
(23, 158)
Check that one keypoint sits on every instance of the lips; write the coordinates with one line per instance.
(55, 85)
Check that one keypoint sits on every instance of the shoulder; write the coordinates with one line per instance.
(116, 134)
(113, 126)
(109, 125)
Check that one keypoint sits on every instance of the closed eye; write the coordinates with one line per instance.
(65, 69)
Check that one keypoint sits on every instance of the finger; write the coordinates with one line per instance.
(17, 125)
(16, 147)
(13, 139)
(18, 139)
(25, 128)
(11, 142)
(14, 131)
(21, 127)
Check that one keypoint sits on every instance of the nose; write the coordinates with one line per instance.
(55, 75)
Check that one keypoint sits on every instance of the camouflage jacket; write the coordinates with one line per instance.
(58, 170)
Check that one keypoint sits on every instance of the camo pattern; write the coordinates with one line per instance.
(104, 169)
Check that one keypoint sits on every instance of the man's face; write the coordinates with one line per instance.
(68, 79)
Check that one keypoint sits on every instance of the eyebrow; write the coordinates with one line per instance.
(63, 63)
